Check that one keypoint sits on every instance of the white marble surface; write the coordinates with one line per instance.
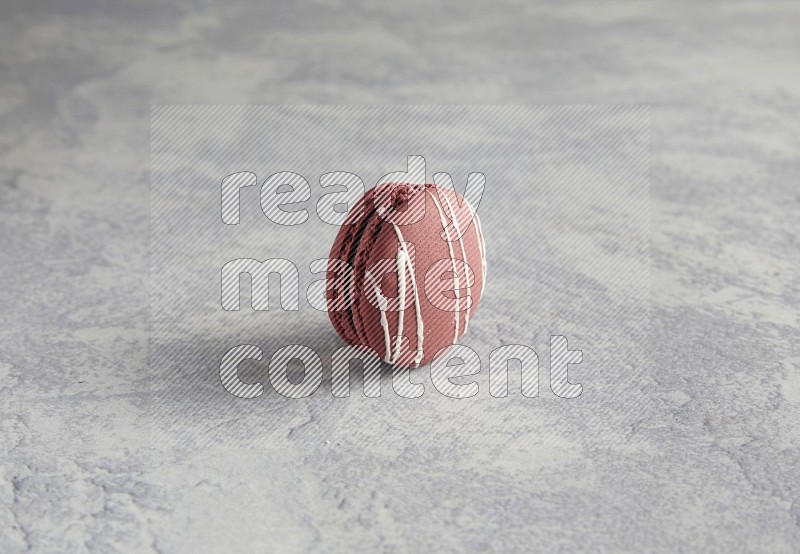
(700, 454)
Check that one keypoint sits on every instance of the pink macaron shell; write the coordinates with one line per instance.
(372, 243)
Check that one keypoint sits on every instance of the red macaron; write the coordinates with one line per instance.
(406, 272)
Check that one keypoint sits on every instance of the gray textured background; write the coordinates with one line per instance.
(701, 454)
(567, 215)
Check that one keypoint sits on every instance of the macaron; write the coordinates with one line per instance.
(406, 272)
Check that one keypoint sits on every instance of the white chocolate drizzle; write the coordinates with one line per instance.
(404, 262)
(401, 294)
(412, 270)
(481, 244)
(452, 259)
(382, 305)
(464, 258)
